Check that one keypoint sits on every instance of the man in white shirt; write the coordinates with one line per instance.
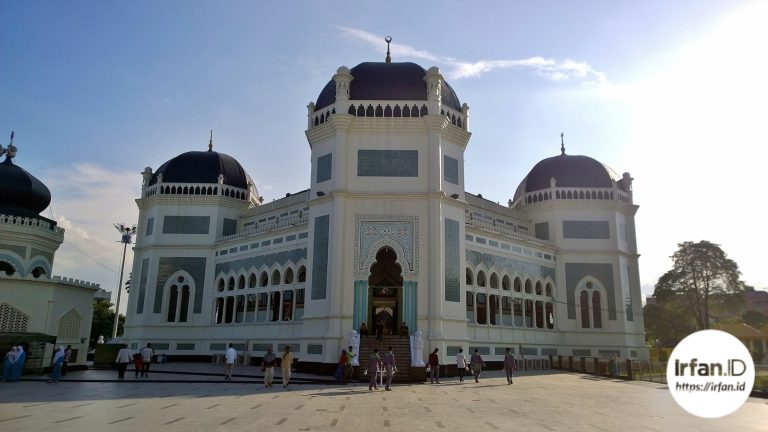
(123, 358)
(229, 363)
(146, 357)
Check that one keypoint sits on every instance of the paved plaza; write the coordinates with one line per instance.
(193, 397)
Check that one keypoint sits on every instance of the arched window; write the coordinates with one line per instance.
(505, 284)
(494, 281)
(37, 272)
(289, 276)
(178, 299)
(241, 282)
(493, 309)
(397, 111)
(219, 312)
(481, 278)
(528, 287)
(231, 284)
(529, 313)
(539, 314)
(252, 282)
(597, 318)
(539, 289)
(302, 274)
(263, 279)
(584, 303)
(275, 306)
(276, 277)
(548, 290)
(470, 307)
(481, 308)
(240, 309)
(518, 284)
(549, 310)
(230, 308)
(220, 288)
(469, 277)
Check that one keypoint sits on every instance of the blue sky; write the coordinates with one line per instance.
(673, 92)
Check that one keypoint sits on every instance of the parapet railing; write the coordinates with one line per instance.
(31, 222)
(264, 227)
(497, 228)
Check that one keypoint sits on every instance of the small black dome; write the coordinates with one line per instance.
(568, 171)
(202, 167)
(21, 193)
(387, 81)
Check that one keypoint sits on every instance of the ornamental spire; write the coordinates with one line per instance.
(388, 39)
(210, 142)
(10, 151)
(562, 144)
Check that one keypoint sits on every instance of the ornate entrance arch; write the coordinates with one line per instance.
(385, 287)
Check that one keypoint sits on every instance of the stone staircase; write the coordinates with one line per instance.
(400, 346)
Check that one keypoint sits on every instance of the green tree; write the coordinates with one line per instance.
(704, 279)
(103, 320)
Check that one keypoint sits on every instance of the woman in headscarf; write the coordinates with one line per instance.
(58, 361)
(18, 365)
(10, 359)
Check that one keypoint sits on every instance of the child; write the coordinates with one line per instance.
(137, 363)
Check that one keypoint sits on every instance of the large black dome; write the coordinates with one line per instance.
(21, 193)
(568, 171)
(202, 167)
(387, 81)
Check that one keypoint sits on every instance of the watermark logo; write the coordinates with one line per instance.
(710, 373)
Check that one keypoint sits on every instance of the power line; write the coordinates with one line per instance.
(50, 208)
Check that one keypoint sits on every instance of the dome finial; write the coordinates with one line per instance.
(10, 151)
(562, 144)
(210, 142)
(388, 39)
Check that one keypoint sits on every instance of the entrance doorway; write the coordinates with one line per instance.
(385, 285)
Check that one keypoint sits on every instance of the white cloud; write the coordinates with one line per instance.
(86, 200)
(551, 69)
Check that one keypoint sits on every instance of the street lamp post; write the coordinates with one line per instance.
(127, 234)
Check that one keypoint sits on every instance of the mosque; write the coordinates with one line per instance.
(386, 234)
(37, 308)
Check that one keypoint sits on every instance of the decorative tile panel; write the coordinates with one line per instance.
(388, 163)
(320, 257)
(401, 233)
(450, 170)
(452, 261)
(324, 165)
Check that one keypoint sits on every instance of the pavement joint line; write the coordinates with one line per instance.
(130, 404)
(82, 405)
(256, 406)
(213, 406)
(121, 420)
(227, 421)
(281, 421)
(440, 424)
(299, 407)
(66, 420)
(168, 406)
(174, 421)
(493, 426)
(15, 418)
(32, 405)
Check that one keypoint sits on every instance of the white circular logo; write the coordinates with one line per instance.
(710, 373)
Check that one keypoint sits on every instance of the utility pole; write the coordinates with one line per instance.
(127, 234)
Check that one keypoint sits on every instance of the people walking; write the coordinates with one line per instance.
(57, 364)
(18, 365)
(373, 369)
(285, 365)
(477, 364)
(461, 364)
(363, 330)
(349, 369)
(146, 359)
(8, 361)
(268, 366)
(229, 362)
(434, 367)
(389, 366)
(137, 362)
(341, 366)
(510, 365)
(67, 354)
(122, 360)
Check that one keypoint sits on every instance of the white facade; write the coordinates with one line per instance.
(385, 232)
